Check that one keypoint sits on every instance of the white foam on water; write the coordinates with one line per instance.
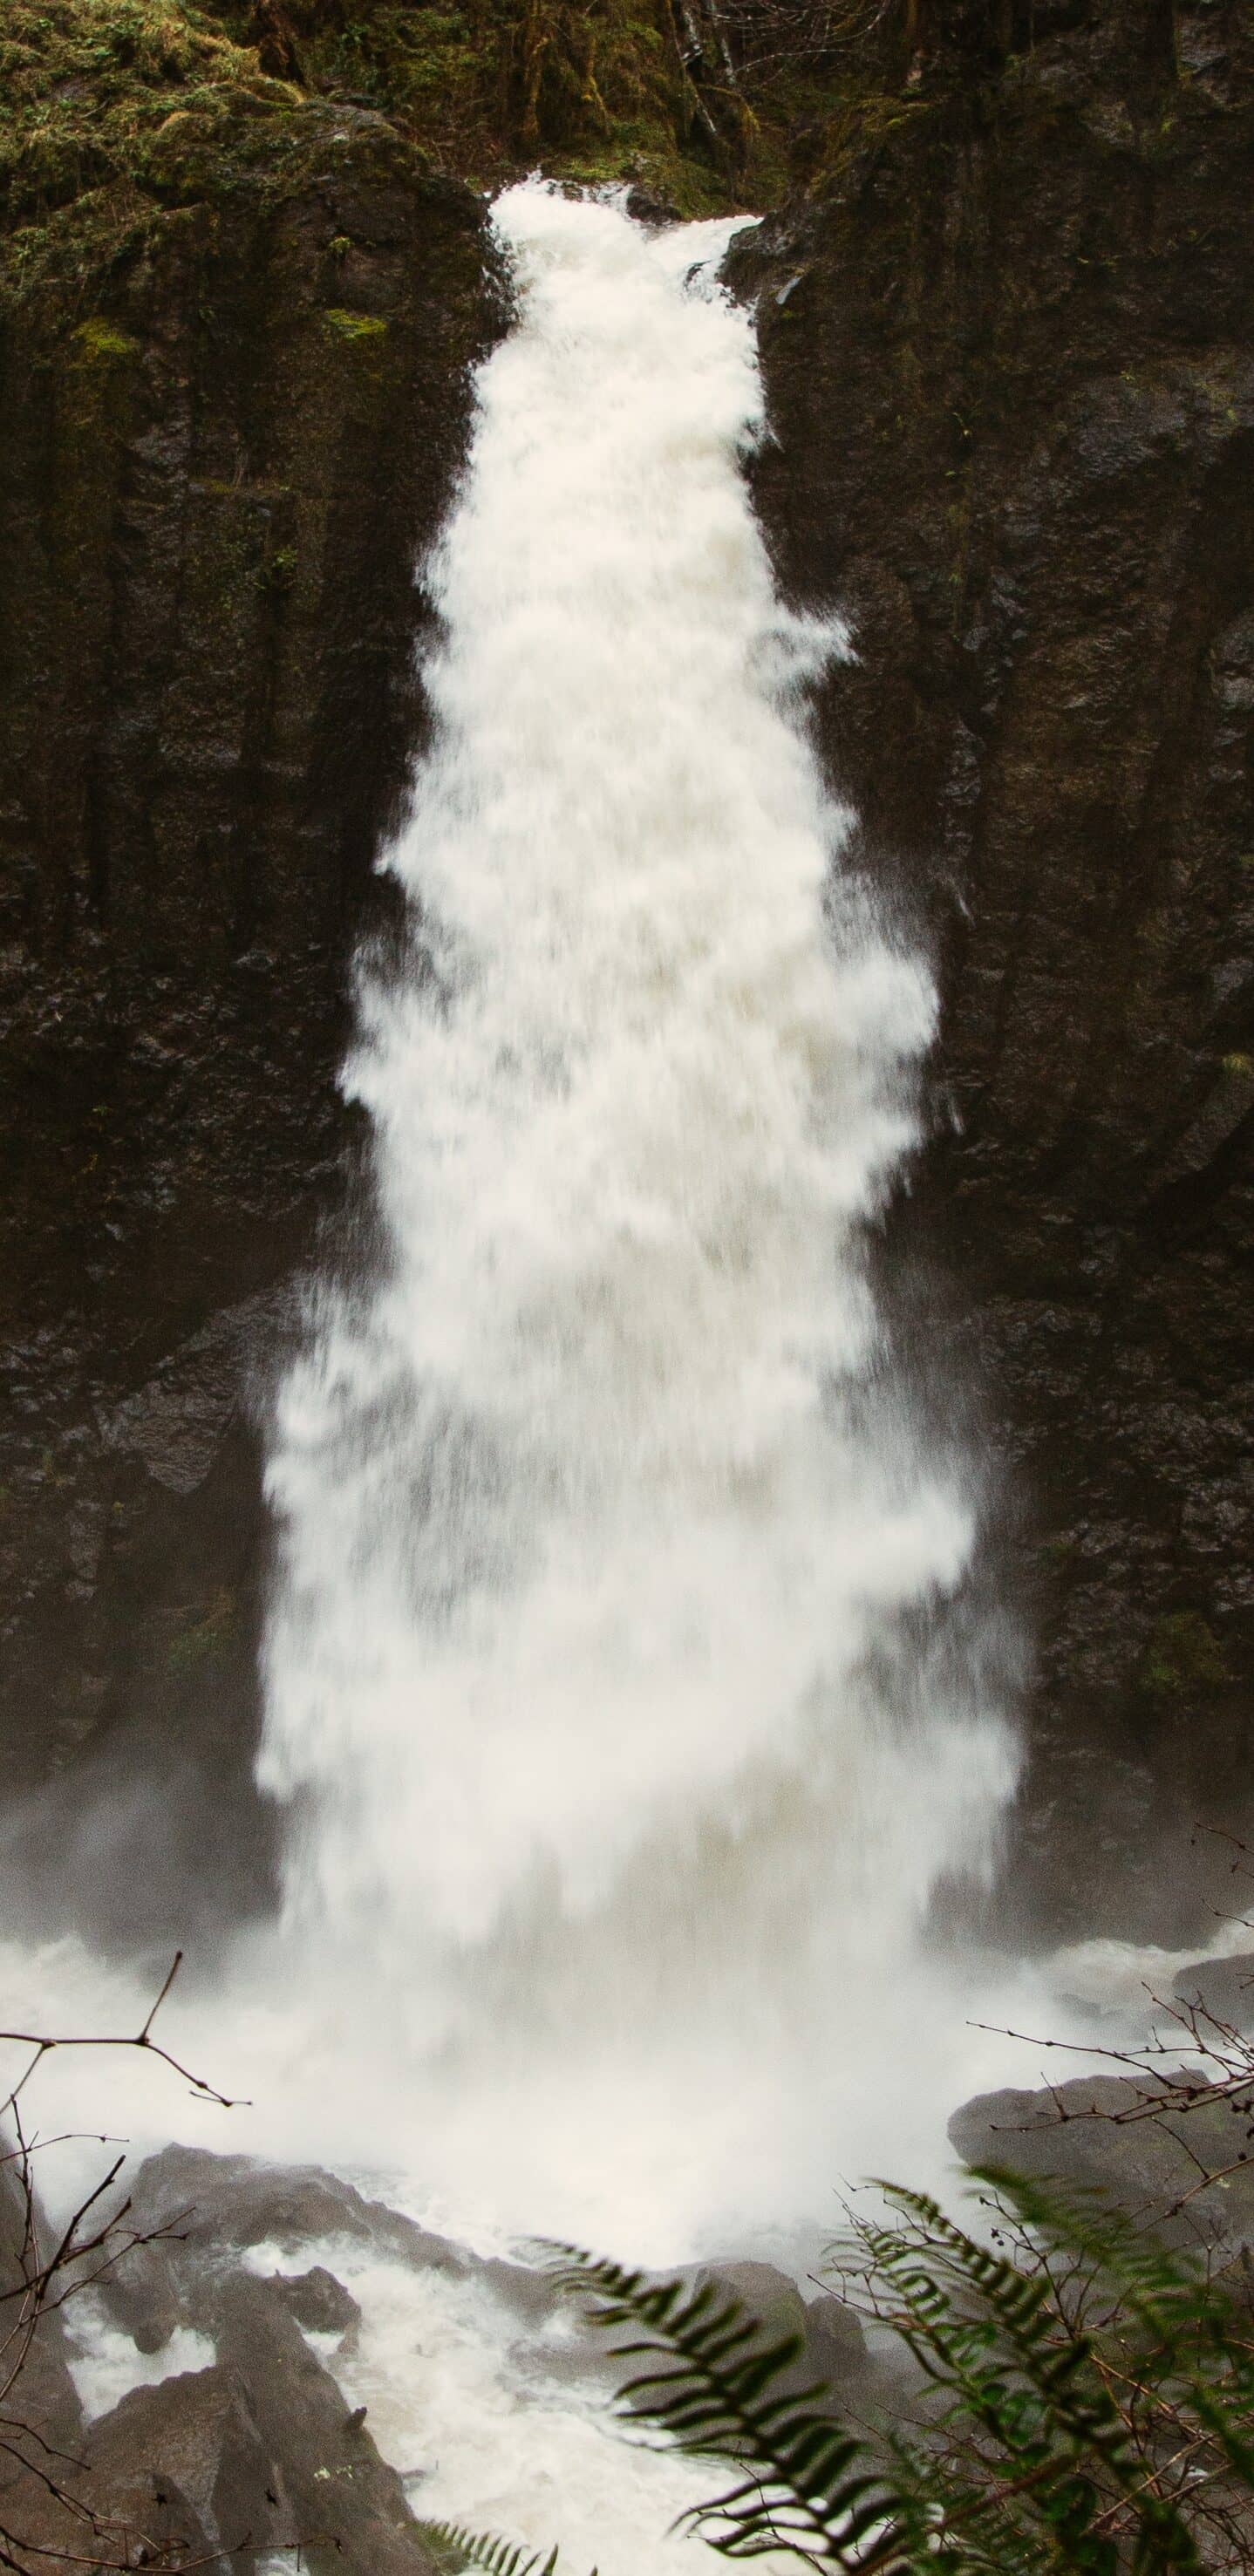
(465, 2403)
(105, 2363)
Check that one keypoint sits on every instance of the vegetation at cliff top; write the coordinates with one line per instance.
(99, 94)
(111, 110)
(91, 85)
(704, 103)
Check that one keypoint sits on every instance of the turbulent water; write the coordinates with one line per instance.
(618, 1774)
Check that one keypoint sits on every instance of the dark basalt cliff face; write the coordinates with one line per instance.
(218, 472)
(1010, 370)
(1010, 367)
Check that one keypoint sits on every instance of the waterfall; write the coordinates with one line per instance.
(616, 1780)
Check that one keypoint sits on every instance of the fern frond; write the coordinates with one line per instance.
(456, 2547)
(1085, 2401)
(1191, 2338)
(711, 2385)
(1030, 2379)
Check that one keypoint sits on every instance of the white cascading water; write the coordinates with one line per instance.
(614, 1802)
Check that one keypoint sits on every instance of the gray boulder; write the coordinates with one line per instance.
(834, 2349)
(1221, 1989)
(350, 2508)
(209, 2202)
(1186, 2174)
(144, 2295)
(176, 2475)
(319, 2302)
(215, 2467)
(836, 2341)
(188, 2456)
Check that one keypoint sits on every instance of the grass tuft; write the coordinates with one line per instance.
(354, 326)
(103, 340)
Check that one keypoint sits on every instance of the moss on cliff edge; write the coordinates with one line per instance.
(116, 111)
(90, 84)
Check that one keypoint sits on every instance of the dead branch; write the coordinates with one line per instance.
(43, 2275)
(43, 2044)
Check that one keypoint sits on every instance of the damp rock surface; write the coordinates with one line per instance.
(201, 2203)
(262, 2445)
(1184, 2175)
(226, 445)
(260, 2450)
(1009, 369)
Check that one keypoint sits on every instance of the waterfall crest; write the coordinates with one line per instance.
(599, 1508)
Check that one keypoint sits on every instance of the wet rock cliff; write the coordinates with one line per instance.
(1009, 359)
(232, 417)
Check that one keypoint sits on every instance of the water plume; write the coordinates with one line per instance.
(608, 1774)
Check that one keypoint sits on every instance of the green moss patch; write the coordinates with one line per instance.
(89, 85)
(205, 1640)
(354, 326)
(116, 113)
(103, 340)
(1183, 1658)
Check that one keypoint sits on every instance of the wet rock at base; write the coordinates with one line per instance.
(319, 2302)
(262, 2447)
(259, 2452)
(175, 2475)
(144, 2296)
(1222, 1990)
(209, 2208)
(190, 2452)
(835, 2340)
(1092, 2131)
(766, 2293)
(210, 2201)
(262, 2451)
(46, 2398)
(834, 2349)
(350, 2507)
(532, 2295)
